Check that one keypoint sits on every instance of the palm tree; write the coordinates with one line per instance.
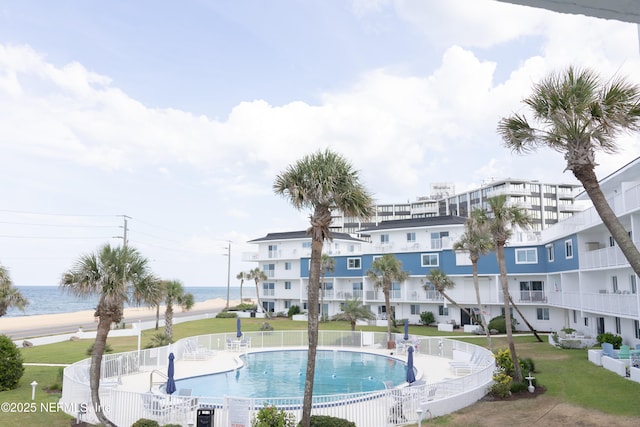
(327, 265)
(384, 271)
(174, 293)
(159, 297)
(477, 241)
(9, 295)
(442, 282)
(240, 276)
(321, 181)
(116, 275)
(580, 113)
(352, 311)
(258, 275)
(500, 223)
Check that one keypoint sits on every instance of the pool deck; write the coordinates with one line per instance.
(429, 368)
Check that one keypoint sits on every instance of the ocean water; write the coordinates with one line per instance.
(52, 299)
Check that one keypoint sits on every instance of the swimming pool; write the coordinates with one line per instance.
(281, 373)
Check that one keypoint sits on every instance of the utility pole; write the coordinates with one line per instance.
(125, 230)
(124, 236)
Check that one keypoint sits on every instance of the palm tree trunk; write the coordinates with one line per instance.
(322, 297)
(483, 321)
(157, 316)
(587, 177)
(104, 325)
(312, 328)
(524, 319)
(387, 304)
(517, 373)
(168, 319)
(266, 312)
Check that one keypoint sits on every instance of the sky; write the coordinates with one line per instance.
(178, 116)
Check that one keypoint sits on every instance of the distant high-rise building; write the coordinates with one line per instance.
(546, 203)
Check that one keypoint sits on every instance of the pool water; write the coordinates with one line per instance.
(281, 373)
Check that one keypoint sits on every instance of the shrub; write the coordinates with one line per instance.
(107, 349)
(144, 422)
(226, 315)
(266, 327)
(499, 324)
(615, 340)
(528, 365)
(327, 421)
(501, 386)
(518, 387)
(505, 364)
(159, 340)
(245, 306)
(11, 368)
(427, 318)
(294, 309)
(270, 416)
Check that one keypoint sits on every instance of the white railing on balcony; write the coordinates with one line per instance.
(616, 304)
(268, 292)
(124, 407)
(606, 257)
(533, 296)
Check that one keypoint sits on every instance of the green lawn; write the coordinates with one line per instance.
(567, 374)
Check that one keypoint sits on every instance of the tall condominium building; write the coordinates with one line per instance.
(546, 203)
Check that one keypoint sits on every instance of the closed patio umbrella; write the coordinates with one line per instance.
(411, 376)
(406, 329)
(171, 383)
(239, 333)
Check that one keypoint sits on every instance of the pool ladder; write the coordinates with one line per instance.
(162, 374)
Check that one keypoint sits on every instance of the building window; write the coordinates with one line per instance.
(618, 328)
(575, 316)
(526, 256)
(354, 264)
(306, 245)
(415, 309)
(287, 285)
(586, 321)
(632, 284)
(273, 251)
(443, 311)
(268, 289)
(269, 270)
(568, 249)
(636, 326)
(612, 241)
(287, 265)
(430, 260)
(510, 311)
(614, 284)
(549, 253)
(287, 304)
(384, 238)
(411, 237)
(542, 313)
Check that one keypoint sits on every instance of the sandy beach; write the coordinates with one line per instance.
(30, 325)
